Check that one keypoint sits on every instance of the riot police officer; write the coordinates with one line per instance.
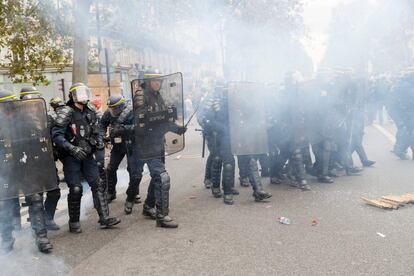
(150, 140)
(223, 164)
(76, 135)
(52, 197)
(401, 111)
(123, 129)
(288, 130)
(56, 103)
(207, 135)
(22, 159)
(116, 104)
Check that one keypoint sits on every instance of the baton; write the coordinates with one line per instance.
(192, 115)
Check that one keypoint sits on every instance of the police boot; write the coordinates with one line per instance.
(149, 212)
(165, 221)
(333, 173)
(216, 191)
(261, 195)
(101, 206)
(325, 179)
(244, 182)
(38, 223)
(368, 163)
(51, 225)
(132, 193)
(128, 207)
(74, 205)
(51, 202)
(275, 180)
(350, 171)
(302, 184)
(138, 199)
(228, 199)
(162, 190)
(258, 193)
(208, 183)
(43, 244)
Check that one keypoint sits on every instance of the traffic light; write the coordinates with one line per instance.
(61, 87)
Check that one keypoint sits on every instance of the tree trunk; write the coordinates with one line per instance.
(80, 47)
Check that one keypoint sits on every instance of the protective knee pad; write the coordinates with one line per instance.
(164, 193)
(75, 193)
(34, 199)
(165, 181)
(253, 165)
(217, 159)
(228, 167)
(297, 155)
(228, 177)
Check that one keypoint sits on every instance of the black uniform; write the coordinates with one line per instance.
(402, 112)
(77, 131)
(122, 135)
(119, 150)
(223, 160)
(151, 139)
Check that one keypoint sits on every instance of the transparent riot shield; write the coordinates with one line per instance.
(247, 118)
(157, 115)
(27, 165)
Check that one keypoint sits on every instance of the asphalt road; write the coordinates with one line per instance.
(350, 238)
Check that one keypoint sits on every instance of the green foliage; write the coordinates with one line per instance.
(30, 41)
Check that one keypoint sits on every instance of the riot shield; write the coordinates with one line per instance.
(157, 116)
(27, 165)
(247, 118)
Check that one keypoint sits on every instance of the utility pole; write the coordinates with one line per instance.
(98, 32)
(80, 49)
(108, 73)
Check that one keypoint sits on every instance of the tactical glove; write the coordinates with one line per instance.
(77, 152)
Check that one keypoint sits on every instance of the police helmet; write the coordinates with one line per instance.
(80, 93)
(116, 104)
(29, 92)
(6, 96)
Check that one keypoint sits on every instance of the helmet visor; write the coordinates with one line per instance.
(81, 94)
(31, 96)
(116, 110)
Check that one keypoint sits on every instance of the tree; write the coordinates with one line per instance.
(30, 40)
